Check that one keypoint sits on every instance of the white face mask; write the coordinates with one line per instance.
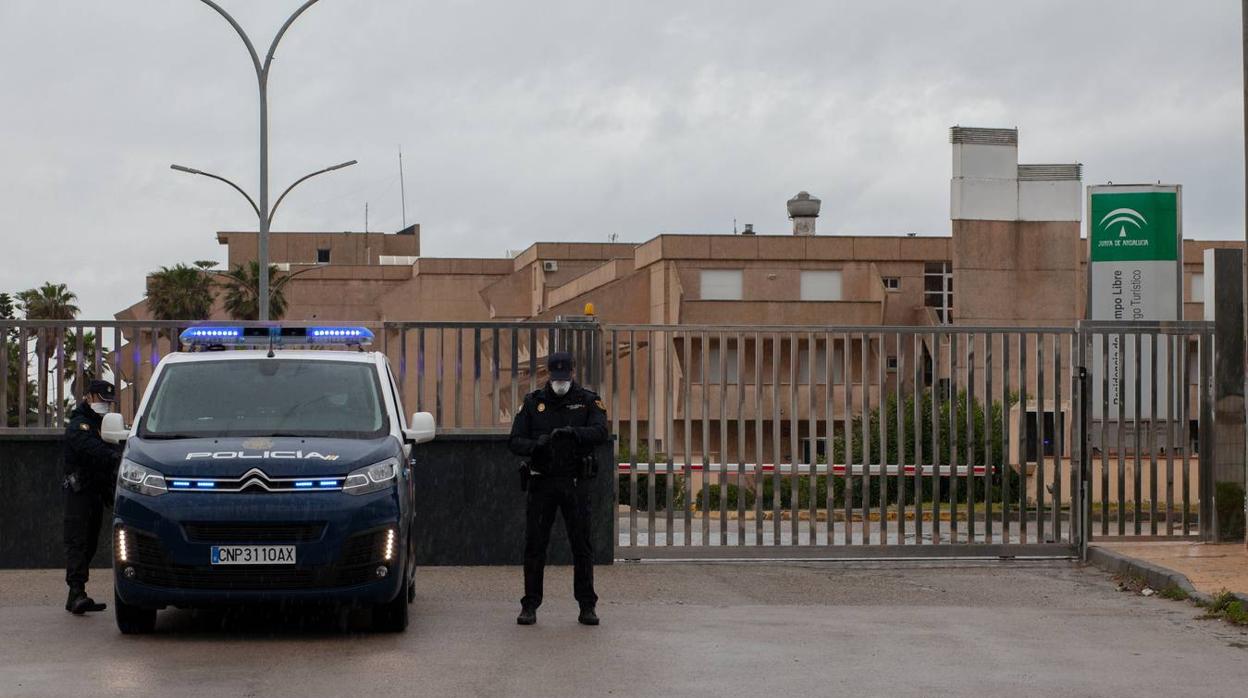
(561, 388)
(99, 407)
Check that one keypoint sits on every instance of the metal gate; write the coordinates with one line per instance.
(1146, 425)
(841, 441)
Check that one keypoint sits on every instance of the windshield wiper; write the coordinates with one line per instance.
(170, 437)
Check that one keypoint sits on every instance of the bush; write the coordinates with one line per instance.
(1229, 499)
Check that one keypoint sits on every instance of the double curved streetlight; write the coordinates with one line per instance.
(263, 212)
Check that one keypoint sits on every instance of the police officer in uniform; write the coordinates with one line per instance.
(90, 475)
(556, 431)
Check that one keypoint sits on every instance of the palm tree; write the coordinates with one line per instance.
(181, 292)
(49, 302)
(242, 292)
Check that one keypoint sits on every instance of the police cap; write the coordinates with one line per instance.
(560, 365)
(102, 388)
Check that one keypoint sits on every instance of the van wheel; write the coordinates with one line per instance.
(411, 586)
(391, 617)
(133, 620)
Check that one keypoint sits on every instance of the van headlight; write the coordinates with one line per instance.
(141, 480)
(372, 478)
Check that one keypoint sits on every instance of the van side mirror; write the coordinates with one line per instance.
(421, 429)
(113, 430)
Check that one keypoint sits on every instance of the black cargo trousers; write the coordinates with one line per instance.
(84, 513)
(569, 497)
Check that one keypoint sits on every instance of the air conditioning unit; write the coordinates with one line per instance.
(550, 265)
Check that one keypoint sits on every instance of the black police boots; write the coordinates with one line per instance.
(587, 617)
(527, 616)
(79, 603)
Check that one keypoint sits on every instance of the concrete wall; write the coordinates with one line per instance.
(469, 508)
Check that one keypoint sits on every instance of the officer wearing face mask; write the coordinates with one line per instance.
(90, 476)
(557, 430)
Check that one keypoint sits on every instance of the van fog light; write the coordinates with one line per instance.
(128, 572)
(382, 571)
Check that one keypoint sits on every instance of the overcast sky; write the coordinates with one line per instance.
(576, 120)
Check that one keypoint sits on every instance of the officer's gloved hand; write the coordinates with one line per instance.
(563, 433)
(543, 443)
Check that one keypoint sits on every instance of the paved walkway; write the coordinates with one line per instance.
(1210, 567)
(1006, 629)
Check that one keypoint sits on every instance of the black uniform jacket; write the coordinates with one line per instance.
(86, 453)
(542, 412)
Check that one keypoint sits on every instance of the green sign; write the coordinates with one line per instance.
(1136, 226)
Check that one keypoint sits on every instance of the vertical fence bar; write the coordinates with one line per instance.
(421, 373)
(632, 432)
(440, 376)
(533, 358)
(1208, 458)
(829, 429)
(881, 374)
(970, 437)
(669, 442)
(775, 439)
(847, 382)
(758, 439)
(117, 342)
(41, 364)
(917, 351)
(812, 433)
(615, 425)
(476, 376)
(60, 376)
(740, 439)
(1105, 497)
(136, 362)
(1185, 432)
(1006, 467)
(1172, 418)
(687, 486)
(1023, 512)
(459, 375)
(1040, 441)
(1152, 435)
(1122, 420)
(937, 455)
(515, 371)
(722, 339)
(899, 403)
(1059, 429)
(4, 378)
(865, 350)
(495, 376)
(402, 329)
(953, 437)
(706, 438)
(795, 422)
(651, 409)
(1137, 489)
(990, 440)
(80, 358)
(23, 371)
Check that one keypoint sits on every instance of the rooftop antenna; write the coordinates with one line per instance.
(366, 217)
(402, 189)
(734, 226)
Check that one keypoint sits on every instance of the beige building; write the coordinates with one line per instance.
(1013, 258)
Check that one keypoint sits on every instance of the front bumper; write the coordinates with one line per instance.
(339, 541)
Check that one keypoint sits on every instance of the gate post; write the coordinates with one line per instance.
(1224, 305)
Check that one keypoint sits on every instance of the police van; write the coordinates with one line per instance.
(257, 474)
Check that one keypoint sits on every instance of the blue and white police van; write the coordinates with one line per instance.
(254, 474)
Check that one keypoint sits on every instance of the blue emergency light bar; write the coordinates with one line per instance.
(276, 336)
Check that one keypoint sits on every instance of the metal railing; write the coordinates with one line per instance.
(470, 375)
(839, 440)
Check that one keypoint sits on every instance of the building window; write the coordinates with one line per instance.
(891, 364)
(821, 364)
(322, 256)
(938, 290)
(821, 286)
(892, 283)
(1197, 294)
(721, 284)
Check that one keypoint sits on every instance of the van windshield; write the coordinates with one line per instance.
(266, 397)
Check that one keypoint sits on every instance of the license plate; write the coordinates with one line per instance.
(253, 554)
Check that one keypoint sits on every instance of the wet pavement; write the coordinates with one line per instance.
(912, 629)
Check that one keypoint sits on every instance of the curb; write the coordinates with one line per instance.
(1156, 576)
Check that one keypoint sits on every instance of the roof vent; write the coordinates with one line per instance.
(803, 210)
(749, 229)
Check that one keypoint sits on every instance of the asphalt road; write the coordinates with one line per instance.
(1016, 629)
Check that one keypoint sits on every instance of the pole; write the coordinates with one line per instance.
(1244, 56)
(262, 81)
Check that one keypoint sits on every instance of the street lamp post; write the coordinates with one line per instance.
(266, 219)
(262, 78)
